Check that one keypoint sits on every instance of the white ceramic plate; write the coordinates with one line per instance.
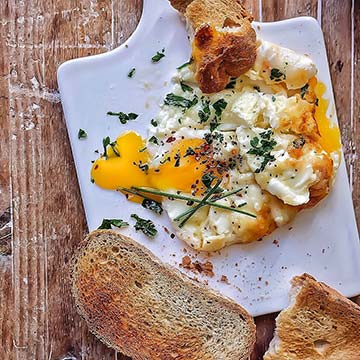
(322, 241)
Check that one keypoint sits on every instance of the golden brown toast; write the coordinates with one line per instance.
(148, 310)
(319, 324)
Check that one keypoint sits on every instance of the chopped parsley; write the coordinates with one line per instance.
(154, 123)
(185, 64)
(152, 205)
(204, 114)
(82, 134)
(219, 107)
(273, 98)
(131, 73)
(106, 143)
(106, 223)
(231, 84)
(263, 148)
(277, 75)
(158, 56)
(214, 123)
(154, 140)
(176, 100)
(304, 90)
(189, 151)
(185, 87)
(146, 226)
(124, 118)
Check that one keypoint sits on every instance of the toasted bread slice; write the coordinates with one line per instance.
(147, 310)
(319, 324)
(224, 43)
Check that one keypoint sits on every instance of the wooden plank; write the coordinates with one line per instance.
(354, 163)
(273, 10)
(337, 24)
(6, 300)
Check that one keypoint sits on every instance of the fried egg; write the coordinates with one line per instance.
(265, 138)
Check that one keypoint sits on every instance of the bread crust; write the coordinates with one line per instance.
(224, 43)
(320, 324)
(133, 303)
(219, 55)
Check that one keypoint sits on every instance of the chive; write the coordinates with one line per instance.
(188, 198)
(185, 64)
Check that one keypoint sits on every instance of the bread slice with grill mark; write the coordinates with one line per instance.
(148, 310)
(319, 324)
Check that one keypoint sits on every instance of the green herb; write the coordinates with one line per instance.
(304, 90)
(204, 114)
(199, 205)
(106, 142)
(131, 73)
(146, 226)
(106, 223)
(277, 75)
(124, 118)
(82, 134)
(257, 88)
(152, 205)
(185, 87)
(189, 151)
(190, 199)
(175, 100)
(263, 148)
(219, 106)
(92, 180)
(185, 64)
(207, 179)
(214, 123)
(231, 84)
(154, 140)
(158, 56)
(154, 123)
(143, 149)
(273, 98)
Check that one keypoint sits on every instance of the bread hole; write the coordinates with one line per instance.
(208, 337)
(139, 285)
(321, 346)
(115, 249)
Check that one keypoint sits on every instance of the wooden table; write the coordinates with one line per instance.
(41, 214)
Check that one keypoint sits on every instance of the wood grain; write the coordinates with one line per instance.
(41, 215)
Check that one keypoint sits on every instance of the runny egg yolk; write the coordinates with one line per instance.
(181, 172)
(330, 134)
(116, 171)
(177, 170)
